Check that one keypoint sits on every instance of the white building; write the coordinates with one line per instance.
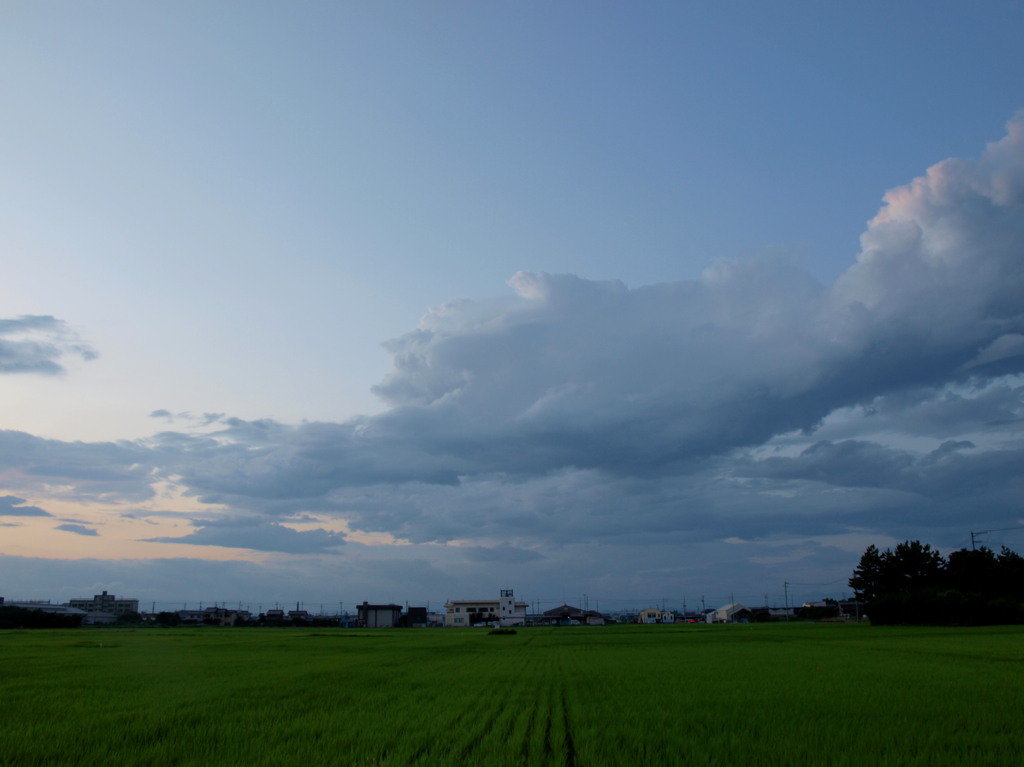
(505, 611)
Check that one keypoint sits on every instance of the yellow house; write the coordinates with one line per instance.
(649, 615)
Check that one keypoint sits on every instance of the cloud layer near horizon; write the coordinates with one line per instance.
(751, 403)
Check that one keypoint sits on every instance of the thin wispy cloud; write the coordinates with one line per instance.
(38, 344)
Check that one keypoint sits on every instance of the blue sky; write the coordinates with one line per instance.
(393, 301)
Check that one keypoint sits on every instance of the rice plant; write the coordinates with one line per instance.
(573, 696)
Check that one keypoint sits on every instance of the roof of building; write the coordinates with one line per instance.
(729, 609)
(46, 607)
(568, 611)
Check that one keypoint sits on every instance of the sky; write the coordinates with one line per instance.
(678, 303)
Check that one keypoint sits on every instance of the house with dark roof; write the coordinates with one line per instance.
(567, 615)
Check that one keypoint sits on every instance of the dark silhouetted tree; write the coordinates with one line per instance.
(914, 584)
(12, 617)
(902, 585)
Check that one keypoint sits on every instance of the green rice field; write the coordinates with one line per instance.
(780, 694)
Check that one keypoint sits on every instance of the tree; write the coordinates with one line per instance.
(914, 566)
(1011, 573)
(900, 586)
(867, 580)
(914, 584)
(973, 570)
(12, 617)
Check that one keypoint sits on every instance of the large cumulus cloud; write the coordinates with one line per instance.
(573, 374)
(595, 375)
(752, 401)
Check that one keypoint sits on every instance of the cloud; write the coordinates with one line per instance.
(506, 554)
(260, 536)
(751, 404)
(113, 471)
(12, 506)
(954, 469)
(36, 343)
(199, 420)
(77, 529)
(578, 375)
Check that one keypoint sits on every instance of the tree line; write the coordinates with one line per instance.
(914, 584)
(12, 617)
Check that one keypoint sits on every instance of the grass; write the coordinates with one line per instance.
(631, 695)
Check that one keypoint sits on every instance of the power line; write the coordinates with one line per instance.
(975, 533)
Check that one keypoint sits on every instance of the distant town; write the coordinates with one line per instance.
(504, 612)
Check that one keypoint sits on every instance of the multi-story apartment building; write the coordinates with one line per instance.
(106, 603)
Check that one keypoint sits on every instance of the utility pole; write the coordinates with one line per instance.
(785, 585)
(996, 530)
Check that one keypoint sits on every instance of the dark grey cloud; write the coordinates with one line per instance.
(37, 343)
(505, 554)
(12, 506)
(955, 468)
(979, 406)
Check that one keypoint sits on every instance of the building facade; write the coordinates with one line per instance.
(378, 616)
(567, 615)
(506, 611)
(106, 603)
